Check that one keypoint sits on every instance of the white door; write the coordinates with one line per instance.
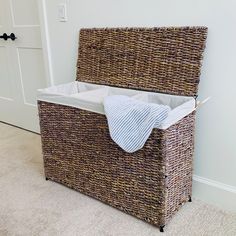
(21, 63)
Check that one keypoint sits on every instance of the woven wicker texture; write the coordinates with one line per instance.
(155, 181)
(164, 60)
(150, 184)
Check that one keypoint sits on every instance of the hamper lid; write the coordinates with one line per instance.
(166, 59)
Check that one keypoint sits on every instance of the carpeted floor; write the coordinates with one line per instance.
(31, 206)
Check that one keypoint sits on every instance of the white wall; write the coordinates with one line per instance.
(215, 155)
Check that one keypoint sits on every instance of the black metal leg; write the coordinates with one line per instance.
(190, 199)
(162, 228)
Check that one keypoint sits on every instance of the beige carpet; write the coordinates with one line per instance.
(29, 205)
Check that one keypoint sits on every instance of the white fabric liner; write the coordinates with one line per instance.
(90, 97)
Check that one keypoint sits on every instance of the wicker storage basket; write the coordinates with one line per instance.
(155, 181)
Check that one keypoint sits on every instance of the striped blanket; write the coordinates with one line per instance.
(131, 121)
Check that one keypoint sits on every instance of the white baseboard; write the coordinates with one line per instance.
(215, 193)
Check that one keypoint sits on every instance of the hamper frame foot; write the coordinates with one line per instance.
(190, 199)
(162, 228)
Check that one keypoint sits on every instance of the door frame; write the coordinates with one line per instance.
(25, 111)
(46, 47)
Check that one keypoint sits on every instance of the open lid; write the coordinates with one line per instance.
(166, 59)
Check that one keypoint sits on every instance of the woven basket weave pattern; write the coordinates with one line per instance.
(155, 181)
(150, 184)
(166, 60)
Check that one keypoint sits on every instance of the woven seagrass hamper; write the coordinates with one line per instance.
(155, 181)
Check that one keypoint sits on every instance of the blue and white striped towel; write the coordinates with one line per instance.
(131, 121)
